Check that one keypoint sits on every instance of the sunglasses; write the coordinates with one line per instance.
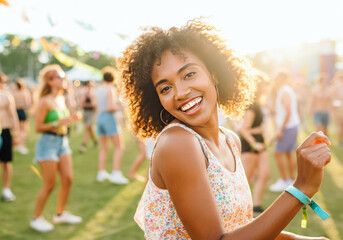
(60, 75)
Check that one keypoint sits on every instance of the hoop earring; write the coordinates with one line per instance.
(217, 93)
(161, 113)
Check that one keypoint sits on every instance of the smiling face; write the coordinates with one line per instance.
(185, 88)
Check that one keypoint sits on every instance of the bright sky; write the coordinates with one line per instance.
(250, 25)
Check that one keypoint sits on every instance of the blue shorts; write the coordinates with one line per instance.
(0, 142)
(288, 141)
(51, 147)
(106, 124)
(321, 118)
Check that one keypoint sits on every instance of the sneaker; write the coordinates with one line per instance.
(22, 150)
(118, 178)
(257, 210)
(289, 181)
(102, 176)
(7, 196)
(66, 217)
(41, 225)
(279, 186)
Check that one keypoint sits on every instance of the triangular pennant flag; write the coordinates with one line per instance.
(51, 22)
(96, 55)
(4, 2)
(65, 48)
(16, 41)
(25, 17)
(80, 52)
(122, 36)
(84, 25)
(34, 46)
(2, 38)
(46, 44)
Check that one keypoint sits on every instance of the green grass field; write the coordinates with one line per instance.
(108, 209)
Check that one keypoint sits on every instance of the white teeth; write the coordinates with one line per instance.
(191, 104)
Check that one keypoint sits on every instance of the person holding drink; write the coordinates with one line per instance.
(53, 152)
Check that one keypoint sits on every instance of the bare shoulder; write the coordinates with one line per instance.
(177, 148)
(4, 100)
(43, 103)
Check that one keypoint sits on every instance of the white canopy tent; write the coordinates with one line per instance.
(82, 74)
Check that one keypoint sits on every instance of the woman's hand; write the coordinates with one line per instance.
(312, 155)
(279, 134)
(69, 120)
(259, 146)
(77, 116)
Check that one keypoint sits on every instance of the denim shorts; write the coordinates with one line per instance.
(321, 118)
(288, 141)
(51, 147)
(0, 142)
(106, 124)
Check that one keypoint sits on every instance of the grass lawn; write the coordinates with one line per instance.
(108, 209)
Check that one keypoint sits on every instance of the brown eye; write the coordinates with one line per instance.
(190, 74)
(164, 89)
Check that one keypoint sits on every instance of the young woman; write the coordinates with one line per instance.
(9, 135)
(254, 155)
(23, 102)
(172, 81)
(337, 104)
(88, 103)
(108, 129)
(52, 149)
(321, 100)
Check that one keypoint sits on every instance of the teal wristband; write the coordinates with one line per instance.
(307, 201)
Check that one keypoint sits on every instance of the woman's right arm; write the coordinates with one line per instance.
(41, 112)
(245, 131)
(180, 165)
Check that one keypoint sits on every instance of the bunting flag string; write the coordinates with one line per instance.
(70, 61)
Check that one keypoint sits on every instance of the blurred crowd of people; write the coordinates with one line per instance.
(281, 107)
(57, 107)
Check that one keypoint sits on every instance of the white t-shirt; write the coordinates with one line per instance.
(294, 119)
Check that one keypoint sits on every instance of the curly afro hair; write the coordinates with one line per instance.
(233, 74)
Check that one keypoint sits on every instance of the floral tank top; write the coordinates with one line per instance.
(157, 216)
